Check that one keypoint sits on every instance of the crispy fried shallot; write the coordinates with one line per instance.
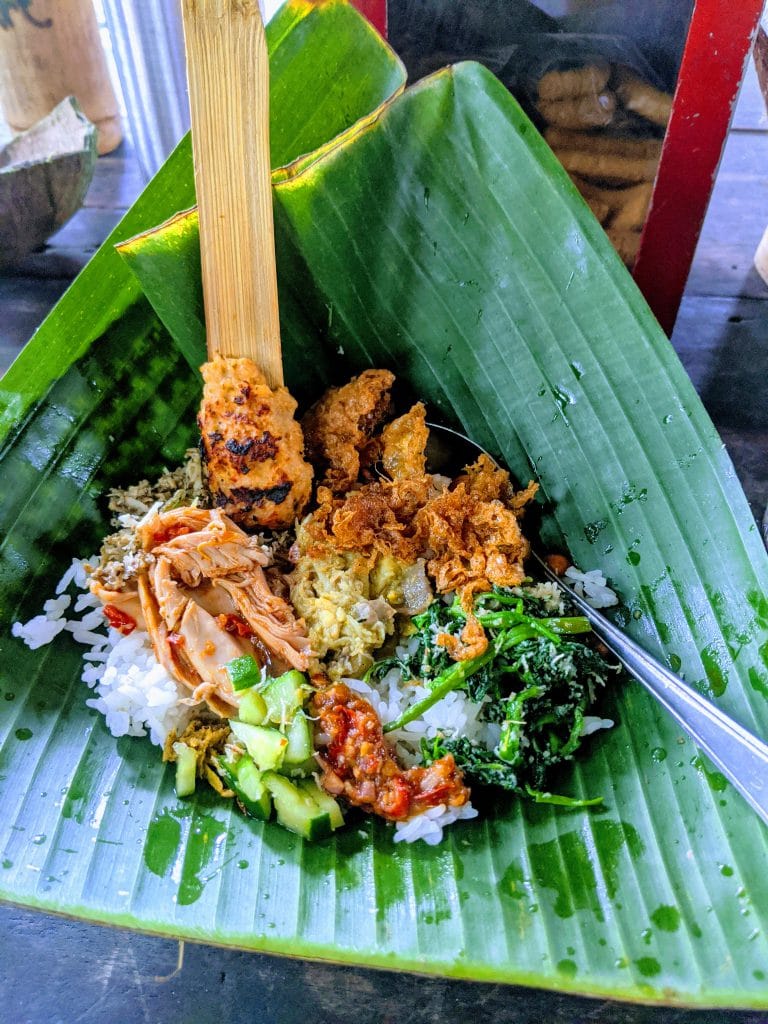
(473, 531)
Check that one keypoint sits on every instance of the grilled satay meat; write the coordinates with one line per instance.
(358, 765)
(252, 446)
(339, 427)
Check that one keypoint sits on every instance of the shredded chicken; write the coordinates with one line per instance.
(205, 600)
(252, 446)
(339, 427)
(359, 766)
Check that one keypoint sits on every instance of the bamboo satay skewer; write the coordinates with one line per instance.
(228, 77)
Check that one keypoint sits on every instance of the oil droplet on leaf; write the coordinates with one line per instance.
(511, 882)
(717, 678)
(758, 681)
(576, 888)
(592, 530)
(667, 918)
(162, 845)
(203, 845)
(717, 781)
(563, 398)
(726, 870)
(629, 494)
(648, 966)
(567, 968)
(658, 754)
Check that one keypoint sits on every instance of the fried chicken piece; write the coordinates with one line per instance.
(404, 443)
(252, 446)
(473, 531)
(359, 766)
(339, 427)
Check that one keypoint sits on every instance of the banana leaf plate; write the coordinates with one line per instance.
(431, 230)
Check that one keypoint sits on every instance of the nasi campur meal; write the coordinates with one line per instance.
(308, 620)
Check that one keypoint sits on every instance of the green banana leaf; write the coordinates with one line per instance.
(442, 239)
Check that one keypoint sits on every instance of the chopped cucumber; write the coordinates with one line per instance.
(299, 735)
(266, 746)
(244, 779)
(251, 790)
(186, 769)
(252, 708)
(284, 696)
(297, 811)
(250, 784)
(323, 800)
(243, 672)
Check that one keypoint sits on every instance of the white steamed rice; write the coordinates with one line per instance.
(592, 586)
(133, 691)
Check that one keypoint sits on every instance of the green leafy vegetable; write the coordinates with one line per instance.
(509, 617)
(480, 765)
(535, 679)
(483, 767)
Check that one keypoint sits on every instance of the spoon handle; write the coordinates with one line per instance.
(740, 756)
(228, 76)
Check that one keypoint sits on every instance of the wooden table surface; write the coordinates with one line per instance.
(61, 972)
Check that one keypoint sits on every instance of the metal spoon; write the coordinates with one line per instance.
(740, 756)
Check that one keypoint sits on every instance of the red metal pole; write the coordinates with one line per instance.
(376, 12)
(719, 42)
